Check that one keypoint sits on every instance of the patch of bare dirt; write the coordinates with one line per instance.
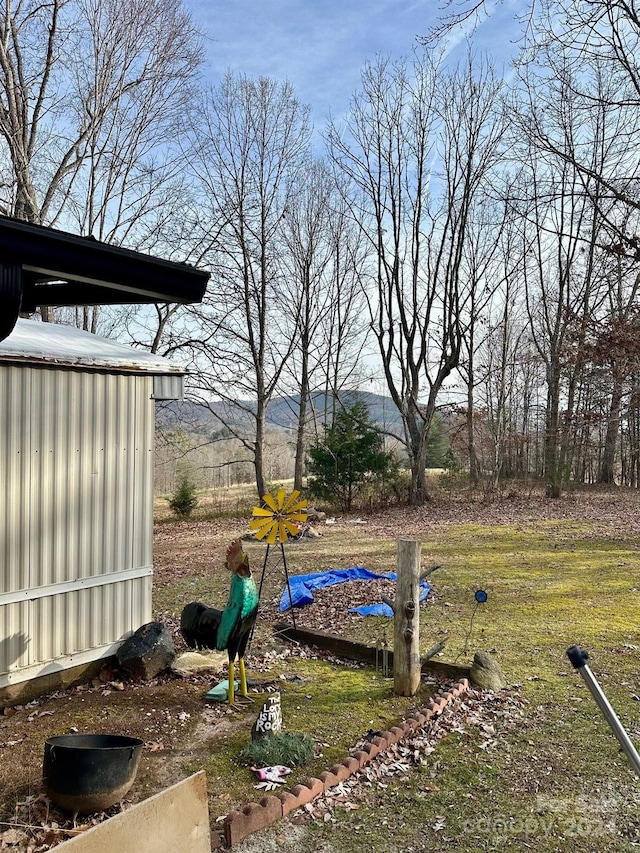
(151, 711)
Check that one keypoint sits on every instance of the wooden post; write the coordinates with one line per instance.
(406, 620)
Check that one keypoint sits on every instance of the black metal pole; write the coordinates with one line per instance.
(286, 574)
(264, 568)
(578, 658)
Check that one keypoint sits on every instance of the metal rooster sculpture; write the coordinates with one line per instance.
(208, 628)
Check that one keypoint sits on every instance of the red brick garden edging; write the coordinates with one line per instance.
(255, 816)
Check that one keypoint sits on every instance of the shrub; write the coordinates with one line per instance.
(292, 750)
(350, 458)
(184, 499)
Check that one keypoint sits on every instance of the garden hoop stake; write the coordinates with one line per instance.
(480, 597)
(579, 658)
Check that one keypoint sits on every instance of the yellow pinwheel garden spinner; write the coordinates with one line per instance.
(278, 520)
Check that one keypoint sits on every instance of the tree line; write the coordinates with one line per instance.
(467, 239)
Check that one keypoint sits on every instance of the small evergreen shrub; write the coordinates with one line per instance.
(351, 460)
(184, 499)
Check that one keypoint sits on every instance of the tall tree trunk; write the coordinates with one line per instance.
(474, 473)
(406, 124)
(418, 493)
(301, 432)
(258, 456)
(607, 465)
(552, 458)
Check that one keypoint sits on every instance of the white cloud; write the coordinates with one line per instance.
(320, 46)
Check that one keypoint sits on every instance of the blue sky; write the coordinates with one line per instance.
(320, 46)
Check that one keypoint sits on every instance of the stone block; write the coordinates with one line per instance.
(486, 672)
(229, 821)
(217, 839)
(371, 749)
(273, 806)
(438, 705)
(308, 792)
(361, 757)
(288, 802)
(352, 764)
(269, 719)
(147, 652)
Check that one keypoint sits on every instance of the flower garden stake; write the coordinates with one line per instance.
(276, 521)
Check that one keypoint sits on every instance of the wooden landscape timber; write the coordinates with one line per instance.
(174, 821)
(365, 652)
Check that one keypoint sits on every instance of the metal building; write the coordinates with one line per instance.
(76, 468)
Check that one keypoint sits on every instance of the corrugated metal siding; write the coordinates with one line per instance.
(15, 466)
(87, 619)
(168, 387)
(14, 628)
(76, 458)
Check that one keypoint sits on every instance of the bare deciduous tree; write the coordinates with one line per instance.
(89, 93)
(581, 165)
(322, 260)
(452, 15)
(418, 144)
(249, 143)
(588, 49)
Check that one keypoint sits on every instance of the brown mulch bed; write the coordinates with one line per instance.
(331, 605)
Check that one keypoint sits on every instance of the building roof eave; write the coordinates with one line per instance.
(42, 266)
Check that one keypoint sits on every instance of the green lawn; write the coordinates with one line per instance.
(557, 780)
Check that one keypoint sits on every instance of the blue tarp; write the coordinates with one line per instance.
(302, 587)
(383, 609)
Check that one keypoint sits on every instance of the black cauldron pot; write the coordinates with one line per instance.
(89, 773)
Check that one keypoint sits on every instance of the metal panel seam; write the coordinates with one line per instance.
(71, 586)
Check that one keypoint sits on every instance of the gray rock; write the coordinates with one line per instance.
(147, 652)
(191, 663)
(486, 672)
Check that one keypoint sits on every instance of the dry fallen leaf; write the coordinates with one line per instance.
(12, 837)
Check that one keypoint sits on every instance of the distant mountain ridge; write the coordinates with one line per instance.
(282, 412)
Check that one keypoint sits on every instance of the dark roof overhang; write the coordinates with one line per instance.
(40, 266)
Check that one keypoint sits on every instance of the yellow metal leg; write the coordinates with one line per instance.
(231, 678)
(243, 677)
